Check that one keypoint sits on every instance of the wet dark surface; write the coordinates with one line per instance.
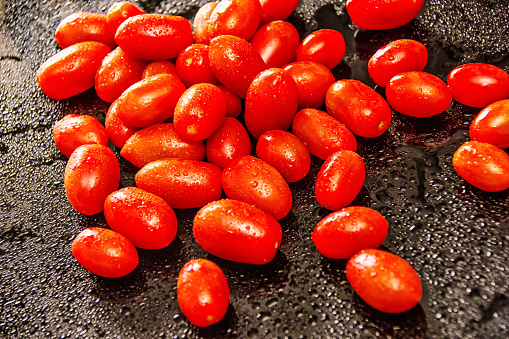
(454, 235)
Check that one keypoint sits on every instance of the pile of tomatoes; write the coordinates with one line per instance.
(176, 91)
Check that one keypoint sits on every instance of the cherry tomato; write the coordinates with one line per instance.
(343, 233)
(121, 11)
(254, 181)
(418, 94)
(482, 165)
(478, 84)
(154, 36)
(237, 231)
(117, 131)
(72, 70)
(105, 252)
(91, 174)
(75, 130)
(84, 26)
(158, 142)
(399, 56)
(273, 10)
(240, 18)
(384, 280)
(158, 67)
(229, 142)
(183, 183)
(339, 180)
(271, 102)
(142, 217)
(359, 107)
(193, 66)
(491, 125)
(201, 23)
(233, 103)
(321, 133)
(202, 292)
(382, 14)
(286, 153)
(325, 46)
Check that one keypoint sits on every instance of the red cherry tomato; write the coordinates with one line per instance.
(72, 70)
(75, 130)
(105, 252)
(201, 23)
(491, 125)
(254, 181)
(237, 231)
(142, 217)
(121, 11)
(322, 133)
(183, 183)
(482, 165)
(202, 292)
(91, 174)
(233, 103)
(478, 85)
(154, 36)
(84, 26)
(384, 280)
(193, 66)
(158, 142)
(359, 107)
(117, 131)
(418, 94)
(271, 102)
(240, 18)
(273, 10)
(343, 233)
(286, 153)
(382, 14)
(399, 56)
(158, 67)
(325, 46)
(339, 180)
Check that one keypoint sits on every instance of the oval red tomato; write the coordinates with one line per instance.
(239, 18)
(491, 125)
(273, 10)
(120, 12)
(158, 67)
(382, 14)
(193, 66)
(201, 23)
(117, 131)
(325, 46)
(84, 26)
(75, 130)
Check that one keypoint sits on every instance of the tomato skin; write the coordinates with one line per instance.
(321, 133)
(91, 174)
(491, 124)
(202, 292)
(117, 131)
(271, 102)
(418, 94)
(482, 165)
(120, 12)
(382, 14)
(233, 103)
(478, 84)
(339, 180)
(193, 66)
(254, 181)
(158, 142)
(384, 280)
(343, 233)
(158, 67)
(325, 46)
(154, 36)
(240, 18)
(396, 57)
(183, 183)
(84, 26)
(142, 217)
(201, 23)
(273, 10)
(237, 231)
(74, 130)
(286, 153)
(72, 70)
(359, 107)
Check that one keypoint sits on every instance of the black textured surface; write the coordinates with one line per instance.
(454, 235)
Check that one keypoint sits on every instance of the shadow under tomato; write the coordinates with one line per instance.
(226, 328)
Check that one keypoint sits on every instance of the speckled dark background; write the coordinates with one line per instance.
(454, 235)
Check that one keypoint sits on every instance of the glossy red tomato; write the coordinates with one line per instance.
(396, 57)
(182, 183)
(72, 70)
(478, 84)
(233, 103)
(202, 292)
(384, 280)
(382, 14)
(75, 130)
(286, 153)
(142, 217)
(117, 131)
(343, 233)
(201, 23)
(237, 231)
(193, 66)
(121, 11)
(359, 107)
(158, 142)
(240, 18)
(322, 133)
(418, 94)
(339, 180)
(158, 67)
(254, 181)
(491, 125)
(91, 174)
(482, 165)
(273, 10)
(325, 46)
(154, 36)
(105, 252)
(84, 26)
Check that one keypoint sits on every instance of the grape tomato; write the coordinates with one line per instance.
(382, 14)
(84, 26)
(325, 46)
(239, 18)
(491, 124)
(121, 11)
